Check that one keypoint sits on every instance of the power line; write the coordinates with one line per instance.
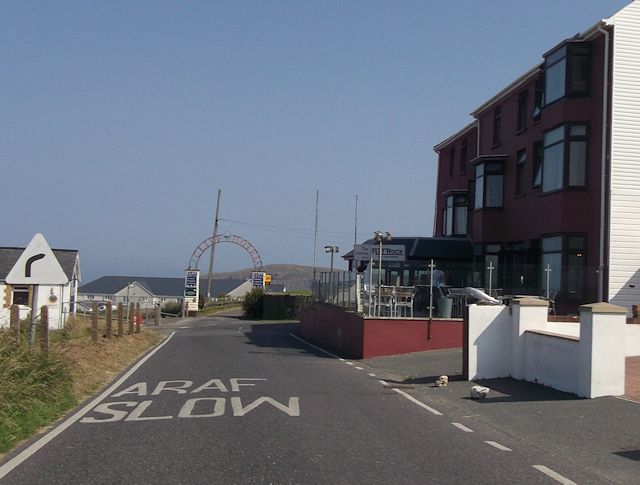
(290, 229)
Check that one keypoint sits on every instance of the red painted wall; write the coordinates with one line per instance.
(358, 337)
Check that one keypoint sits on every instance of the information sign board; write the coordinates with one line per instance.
(192, 289)
(257, 279)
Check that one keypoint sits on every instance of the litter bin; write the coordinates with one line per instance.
(445, 304)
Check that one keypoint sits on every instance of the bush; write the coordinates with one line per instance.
(173, 307)
(253, 303)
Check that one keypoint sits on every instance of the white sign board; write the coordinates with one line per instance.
(192, 289)
(390, 252)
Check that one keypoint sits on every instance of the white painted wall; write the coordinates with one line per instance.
(550, 361)
(489, 341)
(519, 342)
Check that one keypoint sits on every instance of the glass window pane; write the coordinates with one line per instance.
(522, 156)
(552, 168)
(578, 74)
(576, 242)
(494, 191)
(550, 244)
(575, 274)
(578, 130)
(554, 82)
(559, 54)
(449, 221)
(479, 170)
(479, 193)
(554, 136)
(577, 163)
(460, 220)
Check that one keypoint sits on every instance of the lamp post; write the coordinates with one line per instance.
(379, 236)
(331, 250)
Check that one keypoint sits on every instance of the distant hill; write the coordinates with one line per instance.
(293, 276)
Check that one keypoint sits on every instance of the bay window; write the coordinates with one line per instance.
(455, 215)
(564, 151)
(488, 184)
(567, 72)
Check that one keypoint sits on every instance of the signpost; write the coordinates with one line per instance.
(192, 290)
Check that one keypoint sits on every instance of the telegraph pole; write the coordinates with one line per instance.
(213, 246)
(315, 238)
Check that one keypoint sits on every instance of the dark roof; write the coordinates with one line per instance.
(9, 256)
(424, 248)
(110, 285)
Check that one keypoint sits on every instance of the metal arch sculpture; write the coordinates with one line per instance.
(226, 237)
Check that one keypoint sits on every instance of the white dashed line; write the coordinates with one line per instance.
(462, 427)
(359, 368)
(384, 383)
(556, 476)
(184, 327)
(371, 374)
(349, 363)
(498, 446)
(415, 401)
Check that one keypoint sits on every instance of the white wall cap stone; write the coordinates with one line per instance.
(602, 308)
(531, 302)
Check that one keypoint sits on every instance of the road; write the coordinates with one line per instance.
(225, 400)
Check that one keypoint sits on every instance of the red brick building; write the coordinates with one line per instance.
(545, 176)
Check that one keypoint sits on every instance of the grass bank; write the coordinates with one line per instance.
(36, 389)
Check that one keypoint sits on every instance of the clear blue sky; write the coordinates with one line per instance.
(120, 120)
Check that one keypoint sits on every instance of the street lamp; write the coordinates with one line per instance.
(331, 250)
(379, 236)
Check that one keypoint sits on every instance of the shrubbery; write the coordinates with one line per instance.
(253, 303)
(35, 389)
(173, 307)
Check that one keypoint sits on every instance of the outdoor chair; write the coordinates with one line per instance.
(386, 300)
(404, 300)
(458, 296)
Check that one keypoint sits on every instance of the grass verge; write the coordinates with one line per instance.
(36, 389)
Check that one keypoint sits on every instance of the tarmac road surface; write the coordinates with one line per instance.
(226, 400)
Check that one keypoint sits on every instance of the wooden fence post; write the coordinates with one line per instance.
(14, 320)
(120, 319)
(130, 315)
(109, 317)
(138, 317)
(157, 315)
(44, 329)
(94, 322)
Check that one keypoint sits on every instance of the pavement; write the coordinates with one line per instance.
(602, 435)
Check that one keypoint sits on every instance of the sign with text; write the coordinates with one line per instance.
(390, 252)
(257, 279)
(192, 289)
